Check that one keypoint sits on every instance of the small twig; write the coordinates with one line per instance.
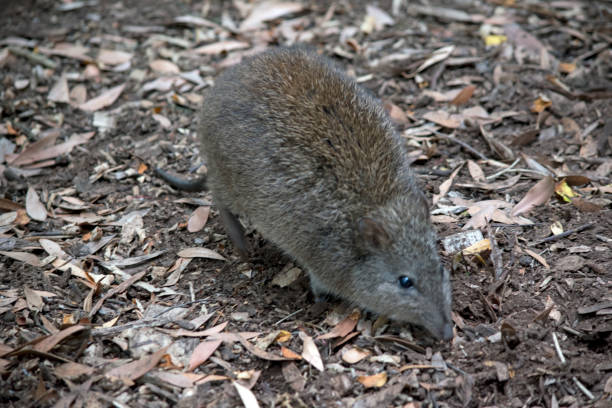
(462, 144)
(117, 289)
(192, 292)
(435, 172)
(457, 369)
(535, 224)
(563, 234)
(111, 331)
(499, 173)
(181, 305)
(287, 317)
(37, 58)
(583, 389)
(539, 173)
(496, 257)
(558, 349)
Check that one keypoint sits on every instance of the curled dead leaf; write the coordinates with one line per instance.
(373, 381)
(537, 195)
(34, 207)
(199, 252)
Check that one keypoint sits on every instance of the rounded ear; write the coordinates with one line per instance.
(372, 233)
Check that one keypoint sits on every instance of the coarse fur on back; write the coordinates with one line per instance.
(313, 161)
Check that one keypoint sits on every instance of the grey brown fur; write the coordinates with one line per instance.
(313, 161)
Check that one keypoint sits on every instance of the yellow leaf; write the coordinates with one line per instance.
(493, 39)
(283, 336)
(478, 247)
(540, 104)
(556, 228)
(376, 380)
(567, 67)
(288, 353)
(564, 191)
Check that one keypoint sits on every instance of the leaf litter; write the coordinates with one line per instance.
(92, 241)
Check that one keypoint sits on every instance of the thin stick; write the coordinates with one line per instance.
(462, 144)
(583, 389)
(499, 173)
(496, 256)
(558, 349)
(287, 317)
(37, 58)
(563, 234)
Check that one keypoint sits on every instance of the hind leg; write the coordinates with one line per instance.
(235, 231)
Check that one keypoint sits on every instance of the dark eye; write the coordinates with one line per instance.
(405, 282)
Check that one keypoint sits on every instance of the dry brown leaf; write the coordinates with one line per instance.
(202, 352)
(540, 104)
(33, 299)
(502, 151)
(47, 343)
(310, 352)
(284, 279)
(498, 185)
(443, 219)
(219, 47)
(34, 207)
(464, 96)
(246, 395)
(44, 152)
(26, 257)
(577, 180)
(162, 84)
(443, 118)
(71, 371)
(78, 94)
(234, 337)
(6, 204)
(537, 257)
(537, 195)
(113, 57)
(53, 248)
(438, 55)
(8, 218)
(199, 252)
(268, 10)
(589, 147)
(481, 216)
(354, 355)
(103, 100)
(476, 171)
(59, 92)
(446, 185)
(376, 380)
(47, 139)
(290, 354)
(294, 377)
(203, 333)
(198, 219)
(445, 96)
(182, 380)
(343, 328)
(164, 66)
(138, 368)
(379, 18)
(68, 50)
(259, 352)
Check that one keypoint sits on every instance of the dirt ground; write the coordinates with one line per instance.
(117, 290)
